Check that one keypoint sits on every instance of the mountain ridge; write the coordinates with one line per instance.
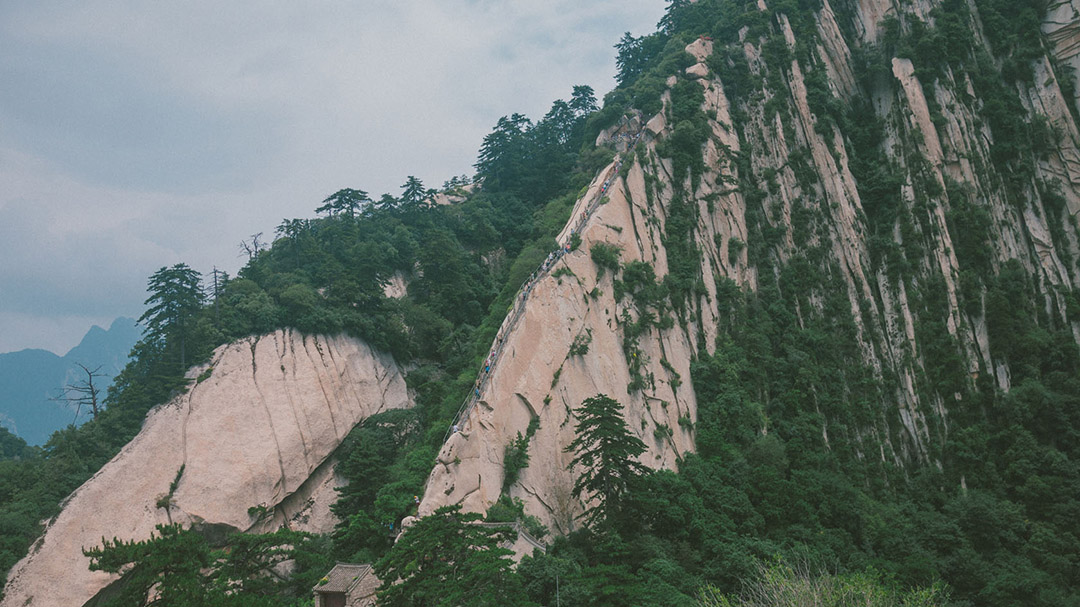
(825, 256)
(31, 378)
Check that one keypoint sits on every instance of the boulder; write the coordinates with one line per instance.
(698, 70)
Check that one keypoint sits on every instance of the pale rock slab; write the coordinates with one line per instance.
(259, 431)
(700, 48)
(397, 287)
(1061, 24)
(536, 376)
(698, 70)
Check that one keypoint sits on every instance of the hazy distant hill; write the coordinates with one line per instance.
(29, 378)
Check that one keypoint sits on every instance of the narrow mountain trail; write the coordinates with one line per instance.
(522, 296)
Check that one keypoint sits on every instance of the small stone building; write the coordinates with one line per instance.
(347, 585)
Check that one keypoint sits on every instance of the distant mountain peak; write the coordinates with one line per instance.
(121, 331)
(29, 378)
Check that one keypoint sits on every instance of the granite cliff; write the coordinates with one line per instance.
(782, 185)
(246, 448)
(897, 183)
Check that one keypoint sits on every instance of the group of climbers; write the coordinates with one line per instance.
(481, 380)
(526, 288)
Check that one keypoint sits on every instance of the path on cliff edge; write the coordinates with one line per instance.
(522, 295)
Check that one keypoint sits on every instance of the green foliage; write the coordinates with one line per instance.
(551, 218)
(534, 162)
(605, 256)
(945, 370)
(580, 346)
(166, 569)
(258, 513)
(1013, 32)
(604, 452)
(650, 299)
(1058, 217)
(635, 55)
(827, 108)
(516, 455)
(12, 447)
(735, 246)
(1013, 28)
(444, 559)
(413, 195)
(176, 297)
(384, 468)
(769, 482)
(546, 577)
(639, 282)
(781, 585)
(969, 225)
(562, 271)
(507, 510)
(879, 184)
(575, 241)
(178, 567)
(683, 280)
(166, 500)
(689, 134)
(347, 201)
(606, 569)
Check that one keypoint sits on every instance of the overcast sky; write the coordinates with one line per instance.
(135, 135)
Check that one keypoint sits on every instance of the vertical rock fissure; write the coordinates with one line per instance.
(322, 388)
(283, 481)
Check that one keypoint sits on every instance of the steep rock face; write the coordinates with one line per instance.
(256, 430)
(537, 376)
(1062, 28)
(780, 187)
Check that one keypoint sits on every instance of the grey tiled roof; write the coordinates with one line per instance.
(342, 577)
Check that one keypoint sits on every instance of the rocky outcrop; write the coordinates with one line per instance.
(568, 344)
(248, 447)
(537, 376)
(1061, 24)
(797, 163)
(397, 287)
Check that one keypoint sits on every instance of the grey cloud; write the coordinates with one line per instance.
(134, 135)
(106, 124)
(74, 274)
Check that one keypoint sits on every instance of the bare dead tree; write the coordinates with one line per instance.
(219, 278)
(83, 392)
(253, 246)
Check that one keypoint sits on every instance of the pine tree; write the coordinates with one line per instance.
(606, 452)
(445, 559)
(346, 201)
(178, 568)
(163, 570)
(505, 153)
(176, 296)
(387, 203)
(583, 100)
(292, 230)
(413, 194)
